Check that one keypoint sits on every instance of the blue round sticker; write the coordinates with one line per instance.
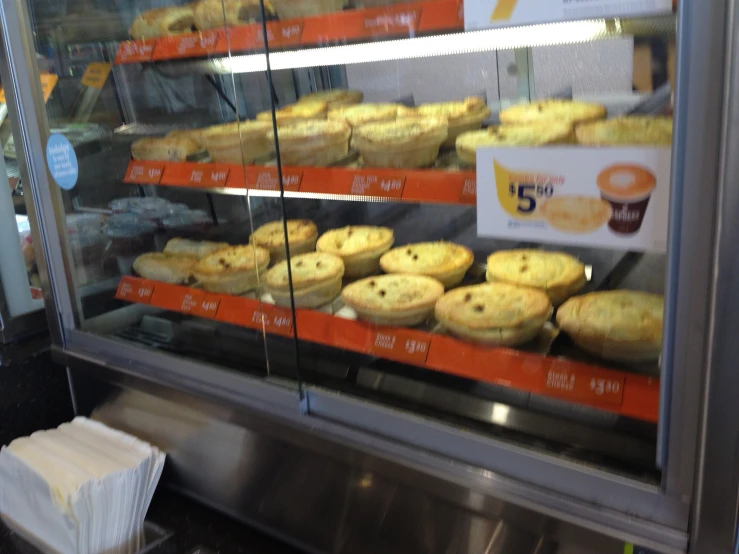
(62, 161)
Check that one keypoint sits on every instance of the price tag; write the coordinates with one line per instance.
(400, 345)
(207, 306)
(469, 191)
(276, 320)
(135, 51)
(565, 380)
(383, 184)
(245, 37)
(134, 289)
(96, 74)
(391, 21)
(437, 16)
(282, 33)
(176, 298)
(48, 82)
(144, 173)
(267, 179)
(188, 46)
(246, 312)
(188, 174)
(520, 192)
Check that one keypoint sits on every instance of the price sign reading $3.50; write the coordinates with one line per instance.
(521, 192)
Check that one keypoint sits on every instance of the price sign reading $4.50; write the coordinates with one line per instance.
(521, 192)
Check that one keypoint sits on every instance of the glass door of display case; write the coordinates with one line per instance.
(467, 236)
(147, 158)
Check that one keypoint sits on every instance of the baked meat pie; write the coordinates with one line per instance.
(461, 116)
(164, 267)
(234, 270)
(444, 261)
(620, 325)
(315, 143)
(405, 143)
(167, 149)
(195, 249)
(360, 114)
(566, 111)
(512, 135)
(302, 235)
(295, 113)
(404, 300)
(334, 98)
(238, 143)
(214, 14)
(316, 280)
(496, 314)
(557, 274)
(162, 22)
(359, 246)
(632, 130)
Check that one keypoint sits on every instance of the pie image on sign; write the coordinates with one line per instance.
(393, 299)
(576, 214)
(557, 274)
(619, 325)
(496, 314)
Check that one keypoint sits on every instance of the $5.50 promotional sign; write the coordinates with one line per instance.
(605, 197)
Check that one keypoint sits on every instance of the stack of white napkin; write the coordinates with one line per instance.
(82, 488)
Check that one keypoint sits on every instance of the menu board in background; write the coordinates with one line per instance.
(483, 14)
(603, 197)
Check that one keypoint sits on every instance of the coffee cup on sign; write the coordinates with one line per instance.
(627, 188)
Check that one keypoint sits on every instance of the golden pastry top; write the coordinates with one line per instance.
(392, 293)
(636, 130)
(455, 112)
(517, 135)
(178, 263)
(164, 148)
(423, 258)
(576, 214)
(535, 268)
(355, 239)
(232, 260)
(334, 98)
(272, 235)
(615, 316)
(193, 248)
(403, 131)
(231, 133)
(296, 112)
(193, 134)
(305, 130)
(569, 111)
(162, 22)
(493, 306)
(359, 114)
(307, 270)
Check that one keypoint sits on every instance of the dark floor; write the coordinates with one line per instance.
(34, 395)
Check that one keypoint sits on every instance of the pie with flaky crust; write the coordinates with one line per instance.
(557, 274)
(360, 246)
(302, 235)
(404, 143)
(393, 299)
(619, 325)
(566, 111)
(233, 270)
(445, 261)
(316, 280)
(497, 314)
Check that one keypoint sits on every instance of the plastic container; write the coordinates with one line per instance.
(130, 203)
(190, 224)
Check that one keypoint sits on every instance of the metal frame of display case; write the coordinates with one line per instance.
(654, 515)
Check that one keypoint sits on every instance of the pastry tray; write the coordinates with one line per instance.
(154, 540)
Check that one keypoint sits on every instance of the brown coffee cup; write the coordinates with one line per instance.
(627, 188)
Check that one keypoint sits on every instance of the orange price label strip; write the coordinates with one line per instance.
(570, 382)
(266, 178)
(144, 173)
(282, 33)
(189, 174)
(246, 312)
(207, 306)
(357, 182)
(189, 45)
(444, 187)
(135, 51)
(401, 344)
(96, 74)
(442, 16)
(176, 298)
(133, 289)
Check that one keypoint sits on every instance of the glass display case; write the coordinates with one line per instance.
(481, 234)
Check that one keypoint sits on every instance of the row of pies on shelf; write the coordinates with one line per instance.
(204, 15)
(320, 129)
(523, 287)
